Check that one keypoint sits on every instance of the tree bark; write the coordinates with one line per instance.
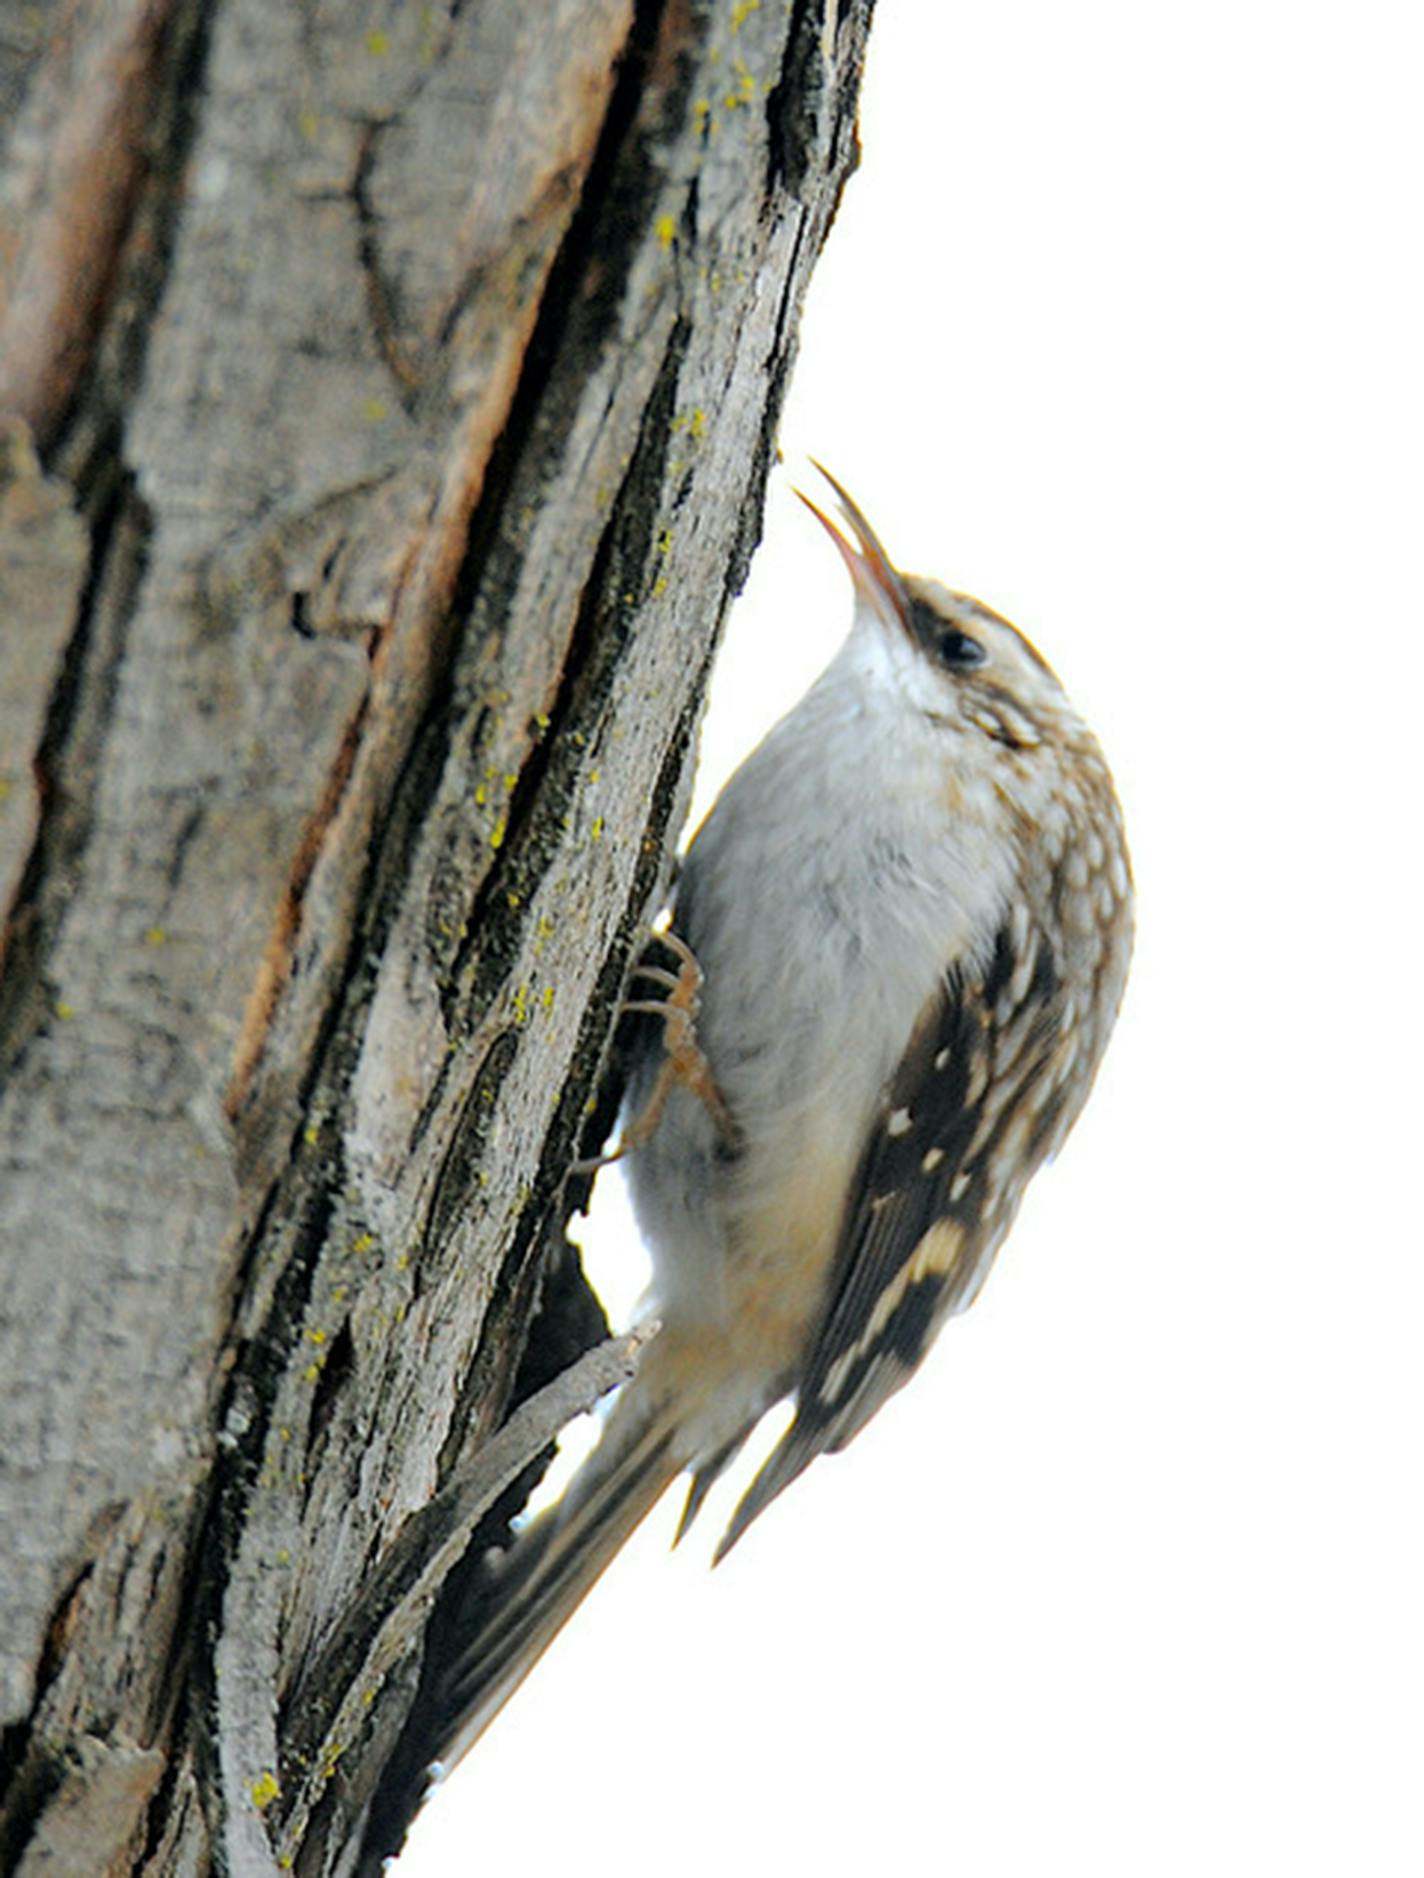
(388, 398)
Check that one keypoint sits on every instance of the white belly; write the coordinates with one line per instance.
(816, 969)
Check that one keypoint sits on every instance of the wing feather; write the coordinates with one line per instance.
(978, 1100)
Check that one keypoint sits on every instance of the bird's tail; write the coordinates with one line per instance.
(539, 1583)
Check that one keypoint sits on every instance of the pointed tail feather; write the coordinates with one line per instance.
(706, 1476)
(549, 1570)
(788, 1460)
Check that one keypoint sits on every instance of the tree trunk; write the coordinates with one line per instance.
(389, 397)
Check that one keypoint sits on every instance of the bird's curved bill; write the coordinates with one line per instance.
(875, 578)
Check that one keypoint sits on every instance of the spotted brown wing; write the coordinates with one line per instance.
(980, 1097)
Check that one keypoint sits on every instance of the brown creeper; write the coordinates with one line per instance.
(912, 912)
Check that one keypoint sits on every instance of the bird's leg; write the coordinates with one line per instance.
(683, 1060)
(685, 1063)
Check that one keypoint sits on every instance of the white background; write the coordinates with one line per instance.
(1120, 328)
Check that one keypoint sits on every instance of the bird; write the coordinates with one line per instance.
(895, 953)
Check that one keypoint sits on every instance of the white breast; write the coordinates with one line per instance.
(833, 885)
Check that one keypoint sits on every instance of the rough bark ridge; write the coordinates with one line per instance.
(388, 396)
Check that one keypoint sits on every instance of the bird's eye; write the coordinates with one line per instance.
(957, 650)
(953, 650)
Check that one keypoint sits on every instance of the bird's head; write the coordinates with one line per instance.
(957, 661)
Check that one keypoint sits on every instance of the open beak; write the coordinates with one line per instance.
(876, 581)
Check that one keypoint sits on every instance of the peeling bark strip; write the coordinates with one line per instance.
(388, 408)
(44, 554)
(76, 159)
